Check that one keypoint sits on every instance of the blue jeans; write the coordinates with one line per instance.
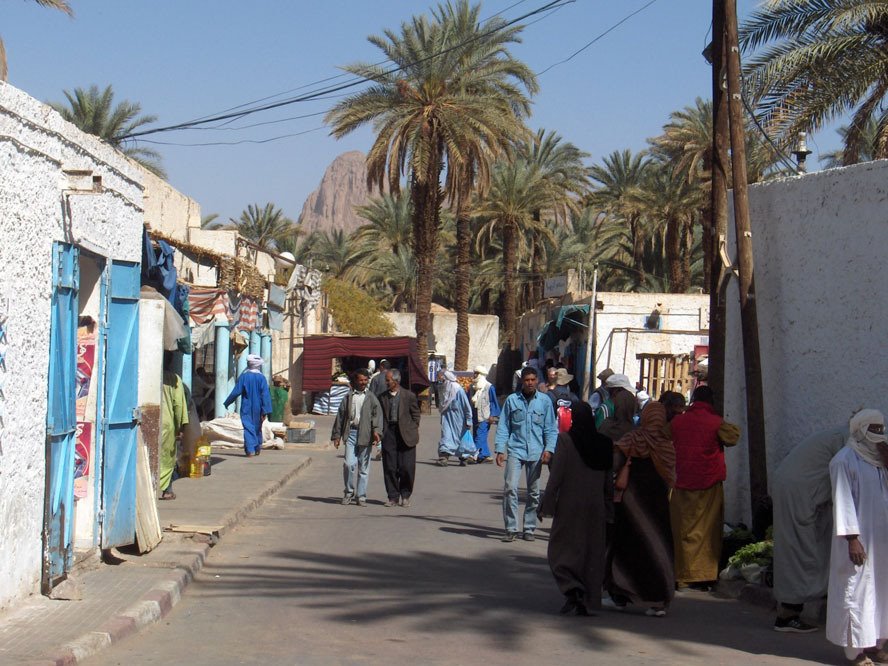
(357, 459)
(532, 471)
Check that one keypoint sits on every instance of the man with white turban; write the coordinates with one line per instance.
(485, 409)
(857, 605)
(252, 389)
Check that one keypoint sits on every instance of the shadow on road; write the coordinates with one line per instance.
(505, 595)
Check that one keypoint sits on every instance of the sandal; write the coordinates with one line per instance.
(168, 495)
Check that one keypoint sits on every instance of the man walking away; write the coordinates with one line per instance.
(857, 605)
(252, 389)
(485, 410)
(601, 394)
(400, 435)
(377, 381)
(359, 420)
(697, 506)
(525, 439)
(802, 497)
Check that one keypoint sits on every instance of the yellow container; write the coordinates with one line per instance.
(196, 469)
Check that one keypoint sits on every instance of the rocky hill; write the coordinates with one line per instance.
(343, 187)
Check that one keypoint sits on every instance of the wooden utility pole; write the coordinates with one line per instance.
(718, 276)
(755, 416)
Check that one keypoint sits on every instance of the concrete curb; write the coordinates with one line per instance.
(161, 599)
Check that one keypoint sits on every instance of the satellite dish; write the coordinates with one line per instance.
(289, 259)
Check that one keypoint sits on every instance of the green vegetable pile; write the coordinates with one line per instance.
(759, 553)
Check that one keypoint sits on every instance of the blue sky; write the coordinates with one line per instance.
(184, 59)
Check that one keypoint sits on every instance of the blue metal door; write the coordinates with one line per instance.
(61, 417)
(120, 406)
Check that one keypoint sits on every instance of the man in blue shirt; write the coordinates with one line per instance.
(525, 438)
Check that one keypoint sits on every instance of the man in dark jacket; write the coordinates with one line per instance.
(400, 435)
(359, 421)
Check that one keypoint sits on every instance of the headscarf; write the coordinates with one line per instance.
(865, 443)
(371, 365)
(650, 441)
(480, 385)
(451, 389)
(254, 363)
(596, 450)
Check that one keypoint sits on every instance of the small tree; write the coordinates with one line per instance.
(354, 311)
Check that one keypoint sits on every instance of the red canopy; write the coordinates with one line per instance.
(319, 351)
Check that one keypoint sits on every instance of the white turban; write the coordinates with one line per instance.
(254, 363)
(371, 365)
(865, 443)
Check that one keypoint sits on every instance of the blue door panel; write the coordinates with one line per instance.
(61, 419)
(121, 406)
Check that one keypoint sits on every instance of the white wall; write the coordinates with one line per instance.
(167, 210)
(820, 274)
(621, 334)
(36, 146)
(483, 335)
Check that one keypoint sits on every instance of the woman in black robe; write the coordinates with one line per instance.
(576, 497)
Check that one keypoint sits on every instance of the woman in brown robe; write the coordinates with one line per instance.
(575, 496)
(640, 554)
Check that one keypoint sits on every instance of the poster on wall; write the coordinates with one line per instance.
(82, 458)
(86, 355)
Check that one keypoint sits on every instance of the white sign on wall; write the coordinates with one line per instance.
(555, 286)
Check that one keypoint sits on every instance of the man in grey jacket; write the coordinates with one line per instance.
(359, 421)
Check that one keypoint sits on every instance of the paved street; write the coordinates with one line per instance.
(306, 581)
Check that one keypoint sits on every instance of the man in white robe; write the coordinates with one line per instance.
(857, 607)
(803, 527)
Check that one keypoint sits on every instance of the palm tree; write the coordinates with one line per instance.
(389, 227)
(94, 112)
(331, 251)
(443, 109)
(518, 188)
(823, 59)
(562, 168)
(263, 226)
(867, 152)
(620, 174)
(61, 5)
(667, 198)
(209, 221)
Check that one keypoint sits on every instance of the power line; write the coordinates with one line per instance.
(344, 86)
(337, 76)
(233, 143)
(597, 37)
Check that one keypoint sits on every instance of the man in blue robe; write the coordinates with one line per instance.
(252, 389)
(456, 424)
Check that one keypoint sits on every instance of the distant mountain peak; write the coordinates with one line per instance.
(332, 204)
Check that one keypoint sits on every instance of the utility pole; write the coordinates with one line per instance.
(718, 275)
(755, 416)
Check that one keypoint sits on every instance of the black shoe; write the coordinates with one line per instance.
(509, 537)
(793, 625)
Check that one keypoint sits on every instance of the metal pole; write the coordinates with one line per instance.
(591, 338)
(265, 343)
(221, 363)
(755, 413)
